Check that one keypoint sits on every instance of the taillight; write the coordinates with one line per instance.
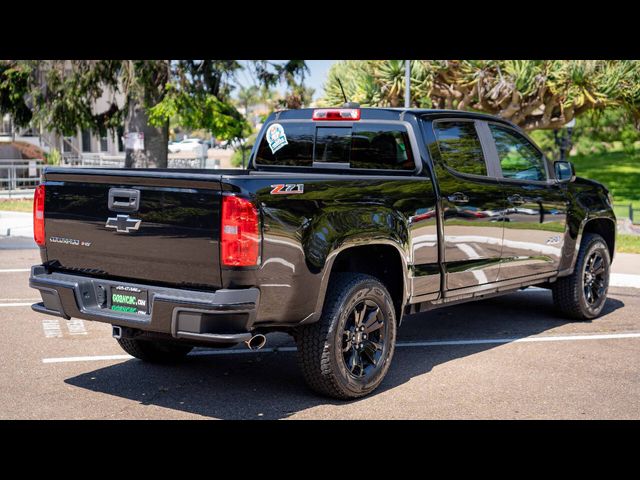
(240, 236)
(336, 114)
(38, 215)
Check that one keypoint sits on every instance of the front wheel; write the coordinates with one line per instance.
(347, 353)
(582, 294)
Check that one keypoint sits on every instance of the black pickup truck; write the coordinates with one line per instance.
(346, 220)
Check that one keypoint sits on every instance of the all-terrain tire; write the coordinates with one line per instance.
(569, 293)
(154, 351)
(321, 353)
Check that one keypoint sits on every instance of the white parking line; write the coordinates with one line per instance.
(86, 359)
(51, 328)
(20, 300)
(550, 338)
(17, 304)
(14, 270)
(434, 343)
(76, 327)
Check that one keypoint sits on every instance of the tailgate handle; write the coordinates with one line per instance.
(124, 200)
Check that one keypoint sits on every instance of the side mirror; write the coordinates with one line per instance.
(565, 171)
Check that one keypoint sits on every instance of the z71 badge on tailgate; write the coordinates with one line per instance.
(287, 188)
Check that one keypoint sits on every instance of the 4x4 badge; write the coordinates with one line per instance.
(123, 223)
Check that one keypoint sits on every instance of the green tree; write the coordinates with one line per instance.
(61, 95)
(534, 94)
(248, 97)
(358, 82)
(292, 74)
(239, 157)
(198, 96)
(144, 85)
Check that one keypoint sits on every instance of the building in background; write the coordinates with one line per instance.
(84, 142)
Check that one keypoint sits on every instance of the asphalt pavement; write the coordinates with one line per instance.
(509, 357)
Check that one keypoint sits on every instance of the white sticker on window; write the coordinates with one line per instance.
(276, 137)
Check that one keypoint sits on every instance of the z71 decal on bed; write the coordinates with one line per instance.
(287, 188)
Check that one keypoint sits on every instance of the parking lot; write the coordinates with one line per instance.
(505, 358)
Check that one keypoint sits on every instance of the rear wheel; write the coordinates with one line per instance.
(582, 294)
(347, 353)
(154, 351)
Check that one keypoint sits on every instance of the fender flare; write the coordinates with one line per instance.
(354, 242)
(576, 249)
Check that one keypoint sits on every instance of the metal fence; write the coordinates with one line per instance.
(626, 210)
(97, 160)
(90, 160)
(20, 174)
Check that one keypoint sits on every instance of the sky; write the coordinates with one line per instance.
(319, 70)
(318, 75)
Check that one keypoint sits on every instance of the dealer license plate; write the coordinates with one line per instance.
(129, 299)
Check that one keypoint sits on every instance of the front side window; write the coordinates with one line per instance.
(518, 158)
(460, 147)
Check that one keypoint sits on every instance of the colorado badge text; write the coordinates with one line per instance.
(70, 241)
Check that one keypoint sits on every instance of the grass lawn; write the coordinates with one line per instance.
(21, 205)
(628, 243)
(619, 171)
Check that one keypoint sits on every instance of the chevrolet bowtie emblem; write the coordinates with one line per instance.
(123, 224)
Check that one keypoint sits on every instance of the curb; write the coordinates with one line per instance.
(624, 280)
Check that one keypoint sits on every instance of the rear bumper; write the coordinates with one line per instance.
(220, 317)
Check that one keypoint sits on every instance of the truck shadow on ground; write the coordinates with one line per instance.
(269, 385)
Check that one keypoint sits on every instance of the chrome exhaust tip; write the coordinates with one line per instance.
(116, 332)
(256, 342)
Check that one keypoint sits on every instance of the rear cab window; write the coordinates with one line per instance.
(362, 145)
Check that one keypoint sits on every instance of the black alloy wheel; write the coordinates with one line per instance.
(363, 339)
(594, 278)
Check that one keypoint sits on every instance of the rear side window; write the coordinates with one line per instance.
(361, 146)
(381, 146)
(460, 147)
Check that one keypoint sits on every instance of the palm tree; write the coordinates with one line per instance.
(534, 94)
(389, 74)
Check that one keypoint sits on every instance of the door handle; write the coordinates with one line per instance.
(515, 199)
(458, 197)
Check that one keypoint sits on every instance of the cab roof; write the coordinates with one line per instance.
(388, 113)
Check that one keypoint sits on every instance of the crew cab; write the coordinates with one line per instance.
(346, 220)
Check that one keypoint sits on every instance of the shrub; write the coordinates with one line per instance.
(53, 157)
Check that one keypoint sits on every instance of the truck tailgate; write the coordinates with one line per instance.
(175, 242)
